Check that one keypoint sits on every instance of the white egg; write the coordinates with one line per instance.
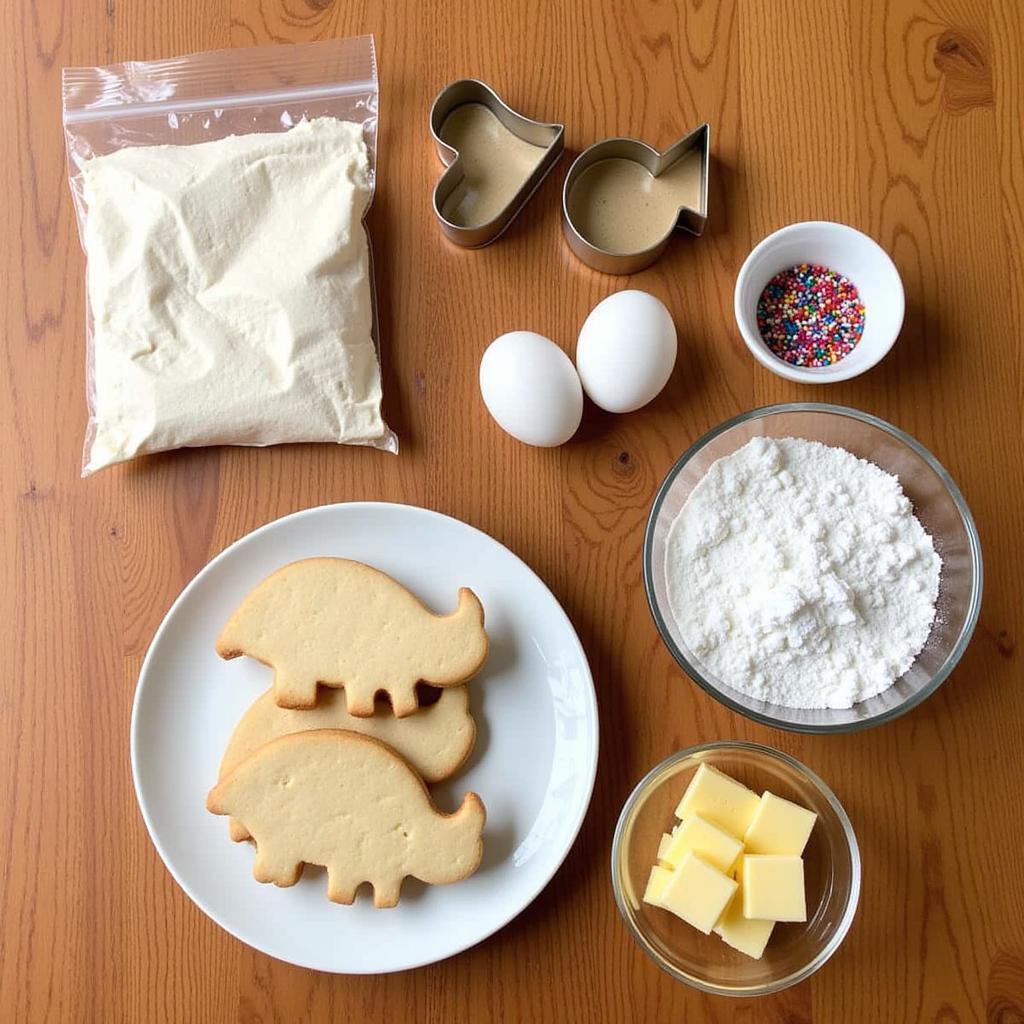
(531, 388)
(626, 350)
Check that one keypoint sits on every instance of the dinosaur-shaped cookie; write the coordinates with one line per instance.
(341, 623)
(436, 740)
(351, 804)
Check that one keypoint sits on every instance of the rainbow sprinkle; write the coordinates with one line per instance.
(809, 315)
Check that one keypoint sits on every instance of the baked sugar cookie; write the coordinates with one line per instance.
(351, 804)
(436, 740)
(345, 624)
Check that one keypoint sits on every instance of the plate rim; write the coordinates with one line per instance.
(590, 693)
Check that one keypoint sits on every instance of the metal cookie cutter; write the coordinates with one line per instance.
(580, 217)
(462, 227)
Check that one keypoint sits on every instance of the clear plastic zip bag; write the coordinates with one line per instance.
(221, 200)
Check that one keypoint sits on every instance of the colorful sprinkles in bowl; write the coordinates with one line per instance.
(810, 315)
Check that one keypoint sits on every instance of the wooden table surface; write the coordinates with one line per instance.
(901, 118)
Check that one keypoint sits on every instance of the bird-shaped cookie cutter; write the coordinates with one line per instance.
(687, 219)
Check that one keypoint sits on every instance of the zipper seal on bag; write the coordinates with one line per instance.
(248, 99)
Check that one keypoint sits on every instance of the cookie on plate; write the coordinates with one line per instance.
(341, 623)
(436, 740)
(350, 803)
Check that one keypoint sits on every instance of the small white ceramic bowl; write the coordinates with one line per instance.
(848, 252)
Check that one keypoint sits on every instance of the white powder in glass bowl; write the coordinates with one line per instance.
(799, 575)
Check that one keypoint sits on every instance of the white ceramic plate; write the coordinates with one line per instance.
(533, 765)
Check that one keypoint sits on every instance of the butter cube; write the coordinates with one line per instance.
(746, 935)
(663, 846)
(657, 882)
(698, 893)
(773, 887)
(697, 834)
(720, 799)
(779, 826)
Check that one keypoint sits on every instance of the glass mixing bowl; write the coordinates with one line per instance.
(937, 503)
(831, 874)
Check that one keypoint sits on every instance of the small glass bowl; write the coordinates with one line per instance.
(831, 874)
(937, 502)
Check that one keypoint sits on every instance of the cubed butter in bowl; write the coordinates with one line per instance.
(663, 847)
(747, 936)
(762, 857)
(719, 848)
(691, 877)
(778, 826)
(697, 892)
(717, 797)
(773, 888)
(657, 883)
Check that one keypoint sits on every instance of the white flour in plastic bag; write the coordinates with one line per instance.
(229, 284)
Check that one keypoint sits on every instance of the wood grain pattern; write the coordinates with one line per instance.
(902, 118)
